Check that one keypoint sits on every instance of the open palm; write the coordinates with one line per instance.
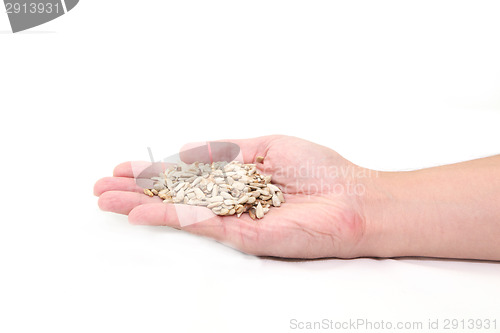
(322, 216)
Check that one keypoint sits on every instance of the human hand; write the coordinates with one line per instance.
(322, 217)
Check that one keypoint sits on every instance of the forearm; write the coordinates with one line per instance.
(451, 211)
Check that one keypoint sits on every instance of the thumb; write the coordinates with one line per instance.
(243, 150)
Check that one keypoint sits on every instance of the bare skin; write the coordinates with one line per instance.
(337, 209)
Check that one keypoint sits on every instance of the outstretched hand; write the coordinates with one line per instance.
(322, 217)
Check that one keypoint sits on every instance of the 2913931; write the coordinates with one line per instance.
(32, 8)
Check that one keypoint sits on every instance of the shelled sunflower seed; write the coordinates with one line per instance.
(225, 188)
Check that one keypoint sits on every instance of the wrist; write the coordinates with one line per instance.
(394, 222)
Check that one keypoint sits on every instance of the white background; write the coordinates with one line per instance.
(391, 85)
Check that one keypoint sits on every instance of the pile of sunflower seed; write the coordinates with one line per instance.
(225, 188)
